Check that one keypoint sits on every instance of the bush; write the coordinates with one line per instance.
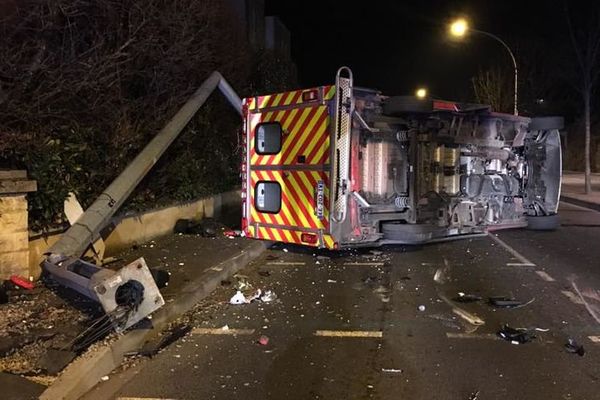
(85, 84)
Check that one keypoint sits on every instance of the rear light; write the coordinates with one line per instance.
(309, 238)
(310, 95)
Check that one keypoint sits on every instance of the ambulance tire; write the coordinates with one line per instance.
(543, 222)
(546, 123)
(399, 105)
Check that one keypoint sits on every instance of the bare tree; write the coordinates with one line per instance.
(585, 38)
(493, 87)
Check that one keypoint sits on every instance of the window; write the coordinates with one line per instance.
(267, 197)
(268, 138)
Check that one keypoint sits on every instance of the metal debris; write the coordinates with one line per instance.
(516, 336)
(467, 298)
(573, 347)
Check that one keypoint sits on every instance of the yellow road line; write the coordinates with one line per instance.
(372, 334)
(365, 263)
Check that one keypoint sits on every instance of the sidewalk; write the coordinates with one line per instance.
(573, 190)
(196, 264)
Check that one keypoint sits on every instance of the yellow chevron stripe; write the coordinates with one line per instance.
(288, 236)
(277, 99)
(310, 189)
(323, 149)
(251, 231)
(306, 136)
(263, 232)
(264, 101)
(290, 96)
(290, 189)
(295, 186)
(285, 126)
(294, 133)
(330, 93)
(288, 214)
(275, 232)
(317, 136)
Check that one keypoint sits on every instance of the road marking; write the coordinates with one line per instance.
(221, 331)
(375, 264)
(143, 398)
(375, 334)
(454, 335)
(286, 263)
(595, 339)
(572, 296)
(545, 276)
(512, 251)
(520, 265)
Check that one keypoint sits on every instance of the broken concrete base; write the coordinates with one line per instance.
(85, 372)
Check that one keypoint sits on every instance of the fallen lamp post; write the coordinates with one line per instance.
(129, 294)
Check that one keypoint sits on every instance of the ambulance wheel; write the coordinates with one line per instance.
(406, 104)
(543, 222)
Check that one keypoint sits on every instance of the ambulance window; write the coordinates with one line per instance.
(268, 138)
(267, 197)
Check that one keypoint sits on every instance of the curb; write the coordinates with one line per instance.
(85, 372)
(581, 203)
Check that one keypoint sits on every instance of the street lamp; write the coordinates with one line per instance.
(460, 27)
(421, 93)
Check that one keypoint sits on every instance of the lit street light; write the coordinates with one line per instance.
(421, 93)
(460, 27)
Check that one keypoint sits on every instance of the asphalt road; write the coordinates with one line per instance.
(351, 326)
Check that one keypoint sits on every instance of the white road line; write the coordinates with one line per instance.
(520, 265)
(143, 398)
(580, 207)
(375, 264)
(572, 296)
(595, 339)
(221, 331)
(372, 334)
(286, 263)
(545, 276)
(455, 335)
(512, 251)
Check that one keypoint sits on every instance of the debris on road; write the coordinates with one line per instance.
(331, 281)
(506, 302)
(104, 378)
(206, 227)
(233, 233)
(467, 298)
(464, 314)
(441, 274)
(264, 273)
(516, 336)
(238, 298)
(263, 340)
(421, 308)
(161, 277)
(268, 296)
(474, 395)
(22, 282)
(241, 282)
(573, 347)
(391, 370)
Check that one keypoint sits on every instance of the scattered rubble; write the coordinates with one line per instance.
(467, 298)
(516, 335)
(573, 347)
(507, 302)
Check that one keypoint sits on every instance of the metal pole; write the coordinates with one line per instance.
(80, 235)
(514, 60)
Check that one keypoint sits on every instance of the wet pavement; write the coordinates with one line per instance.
(384, 325)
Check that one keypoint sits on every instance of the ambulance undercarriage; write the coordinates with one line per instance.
(400, 170)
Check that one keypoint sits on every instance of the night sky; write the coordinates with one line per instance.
(396, 46)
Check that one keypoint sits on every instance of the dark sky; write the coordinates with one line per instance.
(396, 46)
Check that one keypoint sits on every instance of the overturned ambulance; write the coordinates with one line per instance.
(341, 166)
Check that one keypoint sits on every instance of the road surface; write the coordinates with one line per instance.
(362, 325)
